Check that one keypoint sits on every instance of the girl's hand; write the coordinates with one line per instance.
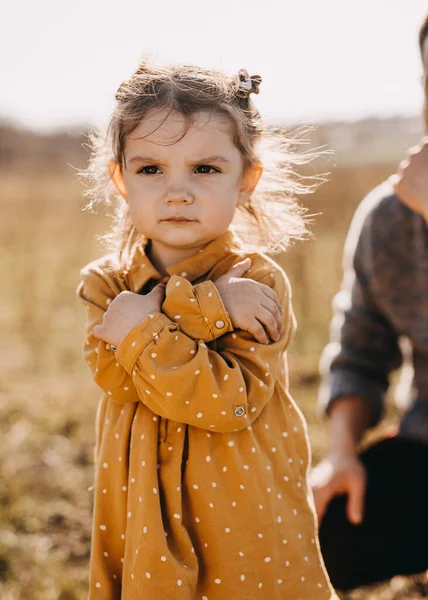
(252, 306)
(126, 311)
(411, 180)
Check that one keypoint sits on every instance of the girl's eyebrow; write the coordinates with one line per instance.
(148, 159)
(207, 159)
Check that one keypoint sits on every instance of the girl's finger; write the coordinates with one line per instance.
(257, 331)
(158, 289)
(240, 268)
(270, 293)
(273, 308)
(268, 320)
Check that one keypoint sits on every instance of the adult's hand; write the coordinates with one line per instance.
(338, 474)
(411, 180)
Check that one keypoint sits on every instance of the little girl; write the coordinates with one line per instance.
(201, 454)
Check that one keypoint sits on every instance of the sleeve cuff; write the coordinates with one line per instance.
(348, 383)
(139, 337)
(214, 312)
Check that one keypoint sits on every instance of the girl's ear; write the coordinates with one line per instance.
(117, 178)
(249, 182)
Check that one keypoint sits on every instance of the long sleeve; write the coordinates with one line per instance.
(198, 309)
(364, 346)
(97, 289)
(222, 386)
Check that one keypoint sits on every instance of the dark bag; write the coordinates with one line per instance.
(393, 538)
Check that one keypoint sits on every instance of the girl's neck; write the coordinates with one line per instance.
(162, 257)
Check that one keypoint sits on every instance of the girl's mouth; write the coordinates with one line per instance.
(179, 220)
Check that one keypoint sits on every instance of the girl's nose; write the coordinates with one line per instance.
(178, 195)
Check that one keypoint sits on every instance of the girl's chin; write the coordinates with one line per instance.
(182, 238)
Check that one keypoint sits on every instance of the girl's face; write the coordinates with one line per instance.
(183, 193)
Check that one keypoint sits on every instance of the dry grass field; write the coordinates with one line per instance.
(47, 397)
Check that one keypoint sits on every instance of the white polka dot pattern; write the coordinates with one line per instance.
(177, 458)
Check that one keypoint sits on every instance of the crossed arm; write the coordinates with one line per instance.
(186, 362)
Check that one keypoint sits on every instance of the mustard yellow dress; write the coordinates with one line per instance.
(201, 454)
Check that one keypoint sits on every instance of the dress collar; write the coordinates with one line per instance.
(142, 270)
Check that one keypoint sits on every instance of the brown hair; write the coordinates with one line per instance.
(272, 217)
(423, 32)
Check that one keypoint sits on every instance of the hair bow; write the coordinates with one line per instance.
(247, 85)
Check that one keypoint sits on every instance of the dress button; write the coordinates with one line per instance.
(239, 411)
(219, 324)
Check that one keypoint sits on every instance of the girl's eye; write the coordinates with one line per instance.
(149, 170)
(206, 169)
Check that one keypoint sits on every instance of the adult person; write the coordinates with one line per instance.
(384, 297)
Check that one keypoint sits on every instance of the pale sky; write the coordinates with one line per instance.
(61, 62)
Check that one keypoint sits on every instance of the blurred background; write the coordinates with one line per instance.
(350, 69)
